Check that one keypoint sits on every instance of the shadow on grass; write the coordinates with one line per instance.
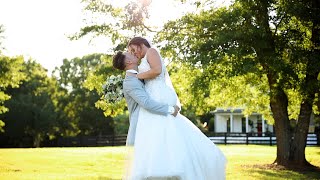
(265, 172)
(280, 174)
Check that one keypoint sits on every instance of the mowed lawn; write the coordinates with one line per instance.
(107, 163)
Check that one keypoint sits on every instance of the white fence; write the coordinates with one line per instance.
(254, 138)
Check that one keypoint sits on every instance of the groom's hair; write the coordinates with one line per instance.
(138, 41)
(118, 60)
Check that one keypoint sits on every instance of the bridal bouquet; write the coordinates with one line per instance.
(112, 89)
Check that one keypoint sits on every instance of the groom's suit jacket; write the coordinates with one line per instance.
(136, 97)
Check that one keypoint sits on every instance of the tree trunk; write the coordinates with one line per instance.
(36, 140)
(279, 108)
(297, 150)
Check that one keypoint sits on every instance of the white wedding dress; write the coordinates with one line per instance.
(168, 147)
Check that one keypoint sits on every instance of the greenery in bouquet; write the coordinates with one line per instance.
(112, 89)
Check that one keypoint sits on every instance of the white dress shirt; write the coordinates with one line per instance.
(132, 71)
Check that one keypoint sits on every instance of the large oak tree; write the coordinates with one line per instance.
(274, 40)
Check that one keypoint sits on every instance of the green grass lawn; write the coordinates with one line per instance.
(107, 163)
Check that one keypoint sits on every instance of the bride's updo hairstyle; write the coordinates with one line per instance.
(138, 41)
(118, 61)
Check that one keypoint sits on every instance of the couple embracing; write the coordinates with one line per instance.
(166, 145)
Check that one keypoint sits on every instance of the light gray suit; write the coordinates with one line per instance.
(136, 96)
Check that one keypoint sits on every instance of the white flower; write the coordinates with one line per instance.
(113, 89)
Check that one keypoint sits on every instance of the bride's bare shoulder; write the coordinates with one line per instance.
(153, 53)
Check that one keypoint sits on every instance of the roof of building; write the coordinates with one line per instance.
(229, 111)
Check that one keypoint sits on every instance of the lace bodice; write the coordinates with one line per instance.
(157, 87)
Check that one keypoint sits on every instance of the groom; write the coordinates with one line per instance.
(135, 94)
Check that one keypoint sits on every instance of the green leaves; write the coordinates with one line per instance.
(32, 110)
(10, 71)
(11, 76)
(117, 21)
(80, 77)
(95, 81)
(235, 48)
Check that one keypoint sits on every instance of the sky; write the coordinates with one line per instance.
(39, 29)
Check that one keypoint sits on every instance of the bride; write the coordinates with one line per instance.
(168, 147)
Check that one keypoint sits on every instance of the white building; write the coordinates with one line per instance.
(233, 121)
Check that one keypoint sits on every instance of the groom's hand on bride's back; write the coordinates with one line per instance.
(176, 110)
(177, 107)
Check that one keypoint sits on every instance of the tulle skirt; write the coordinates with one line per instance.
(168, 147)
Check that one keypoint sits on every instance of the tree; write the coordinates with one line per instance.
(94, 82)
(79, 103)
(32, 112)
(257, 40)
(305, 50)
(11, 76)
(119, 22)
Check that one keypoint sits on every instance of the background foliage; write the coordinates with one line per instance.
(256, 54)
